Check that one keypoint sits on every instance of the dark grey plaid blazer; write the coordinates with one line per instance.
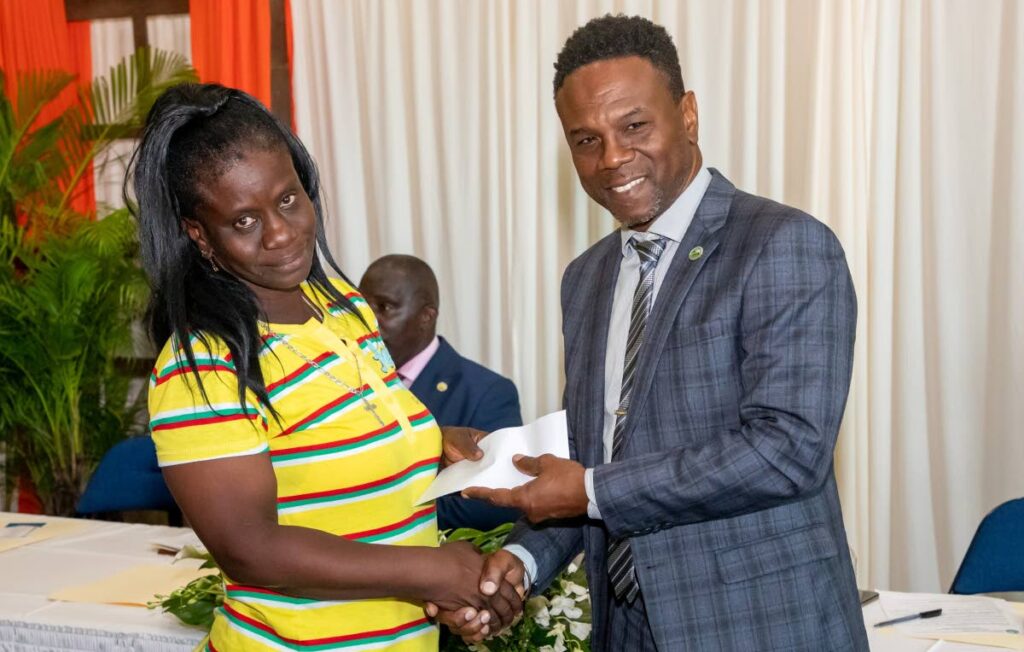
(725, 486)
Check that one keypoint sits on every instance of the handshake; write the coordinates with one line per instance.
(479, 595)
(476, 595)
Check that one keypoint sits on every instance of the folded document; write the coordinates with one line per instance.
(495, 470)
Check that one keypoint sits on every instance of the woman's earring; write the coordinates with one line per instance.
(208, 255)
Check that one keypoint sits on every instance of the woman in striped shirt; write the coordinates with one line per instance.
(282, 429)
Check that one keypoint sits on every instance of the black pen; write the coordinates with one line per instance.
(902, 619)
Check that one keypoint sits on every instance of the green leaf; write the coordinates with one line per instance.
(195, 603)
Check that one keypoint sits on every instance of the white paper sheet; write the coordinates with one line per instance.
(25, 529)
(960, 614)
(495, 470)
(947, 646)
(176, 543)
(136, 586)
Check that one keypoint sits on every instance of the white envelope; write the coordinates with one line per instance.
(548, 434)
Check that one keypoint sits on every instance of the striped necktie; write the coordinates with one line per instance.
(620, 558)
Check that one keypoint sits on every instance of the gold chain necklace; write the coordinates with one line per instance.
(359, 393)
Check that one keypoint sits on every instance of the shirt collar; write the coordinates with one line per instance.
(672, 224)
(415, 365)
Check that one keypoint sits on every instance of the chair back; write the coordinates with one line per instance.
(994, 561)
(127, 478)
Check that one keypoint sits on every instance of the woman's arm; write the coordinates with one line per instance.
(231, 504)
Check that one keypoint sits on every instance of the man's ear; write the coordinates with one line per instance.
(196, 232)
(688, 107)
(428, 317)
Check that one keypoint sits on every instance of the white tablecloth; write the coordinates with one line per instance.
(28, 621)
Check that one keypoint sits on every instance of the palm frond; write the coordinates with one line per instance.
(35, 90)
(117, 105)
(25, 147)
(125, 95)
(114, 234)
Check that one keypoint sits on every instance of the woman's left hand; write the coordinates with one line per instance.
(459, 443)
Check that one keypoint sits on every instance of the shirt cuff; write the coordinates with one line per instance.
(588, 484)
(529, 563)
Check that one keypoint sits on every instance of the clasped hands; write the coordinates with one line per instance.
(557, 492)
(484, 598)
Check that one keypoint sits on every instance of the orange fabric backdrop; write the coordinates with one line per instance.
(35, 35)
(290, 36)
(231, 44)
(80, 43)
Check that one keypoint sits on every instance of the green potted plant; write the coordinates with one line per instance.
(70, 287)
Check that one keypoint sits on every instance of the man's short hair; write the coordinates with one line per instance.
(417, 271)
(613, 37)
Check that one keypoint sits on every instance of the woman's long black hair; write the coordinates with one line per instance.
(192, 134)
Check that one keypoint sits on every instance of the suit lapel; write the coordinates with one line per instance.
(705, 232)
(429, 377)
(595, 344)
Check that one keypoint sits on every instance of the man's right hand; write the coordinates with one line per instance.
(503, 566)
(501, 570)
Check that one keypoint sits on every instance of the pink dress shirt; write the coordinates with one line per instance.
(411, 369)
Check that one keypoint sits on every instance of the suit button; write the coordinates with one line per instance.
(442, 386)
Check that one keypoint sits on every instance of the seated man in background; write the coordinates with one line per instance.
(402, 291)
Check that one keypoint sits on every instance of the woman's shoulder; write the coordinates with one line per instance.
(354, 298)
(348, 291)
(209, 352)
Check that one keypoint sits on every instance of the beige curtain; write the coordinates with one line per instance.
(899, 123)
(111, 41)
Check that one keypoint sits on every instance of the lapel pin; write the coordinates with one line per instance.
(442, 386)
(696, 252)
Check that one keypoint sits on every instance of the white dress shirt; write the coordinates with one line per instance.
(671, 225)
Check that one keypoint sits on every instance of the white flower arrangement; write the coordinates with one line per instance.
(557, 621)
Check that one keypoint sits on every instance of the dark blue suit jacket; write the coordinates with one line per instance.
(460, 392)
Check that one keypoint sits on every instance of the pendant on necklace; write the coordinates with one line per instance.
(372, 409)
(358, 393)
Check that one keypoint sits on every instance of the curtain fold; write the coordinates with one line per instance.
(289, 34)
(231, 44)
(80, 43)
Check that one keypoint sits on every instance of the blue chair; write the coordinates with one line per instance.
(994, 561)
(127, 478)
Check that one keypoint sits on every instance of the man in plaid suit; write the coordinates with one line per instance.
(708, 352)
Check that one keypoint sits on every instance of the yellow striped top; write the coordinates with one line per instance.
(337, 468)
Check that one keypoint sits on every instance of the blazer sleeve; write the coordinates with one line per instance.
(552, 545)
(797, 319)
